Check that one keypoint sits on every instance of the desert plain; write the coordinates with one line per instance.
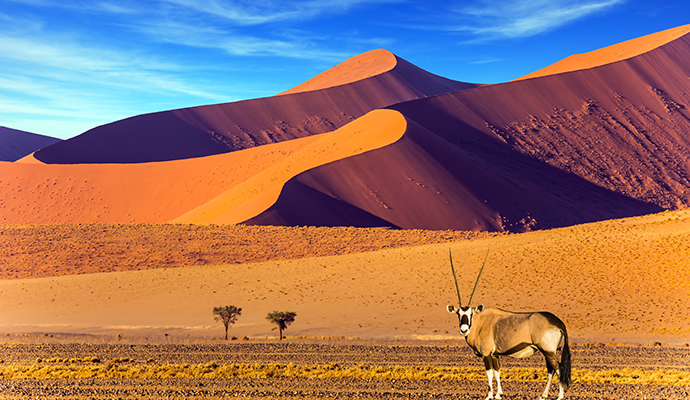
(343, 200)
(371, 319)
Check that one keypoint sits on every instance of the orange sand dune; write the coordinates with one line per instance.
(554, 151)
(610, 54)
(151, 192)
(222, 128)
(359, 67)
(623, 128)
(225, 188)
(376, 129)
(620, 280)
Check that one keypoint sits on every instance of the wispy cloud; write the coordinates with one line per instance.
(524, 18)
(231, 41)
(255, 12)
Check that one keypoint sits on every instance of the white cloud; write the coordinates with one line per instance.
(254, 12)
(523, 18)
(232, 42)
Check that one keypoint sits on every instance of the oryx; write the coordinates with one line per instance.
(492, 333)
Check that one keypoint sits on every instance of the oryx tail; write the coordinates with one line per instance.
(564, 366)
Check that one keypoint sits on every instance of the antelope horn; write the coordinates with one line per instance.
(479, 276)
(454, 277)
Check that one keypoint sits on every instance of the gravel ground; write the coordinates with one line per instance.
(340, 352)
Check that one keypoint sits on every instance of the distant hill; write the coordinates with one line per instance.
(15, 144)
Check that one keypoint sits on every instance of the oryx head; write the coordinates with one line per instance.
(466, 313)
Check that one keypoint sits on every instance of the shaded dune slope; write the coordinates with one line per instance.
(624, 127)
(222, 128)
(423, 181)
(15, 144)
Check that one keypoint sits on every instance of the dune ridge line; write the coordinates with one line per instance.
(610, 54)
(361, 66)
(374, 130)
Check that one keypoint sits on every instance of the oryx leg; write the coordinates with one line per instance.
(492, 367)
(552, 368)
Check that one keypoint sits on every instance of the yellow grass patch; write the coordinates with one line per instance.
(212, 370)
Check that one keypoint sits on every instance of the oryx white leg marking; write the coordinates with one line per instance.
(499, 390)
(548, 383)
(490, 376)
(561, 392)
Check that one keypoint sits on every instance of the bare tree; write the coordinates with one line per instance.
(281, 318)
(227, 314)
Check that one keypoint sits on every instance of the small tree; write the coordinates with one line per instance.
(281, 318)
(227, 314)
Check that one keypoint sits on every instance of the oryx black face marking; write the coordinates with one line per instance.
(464, 320)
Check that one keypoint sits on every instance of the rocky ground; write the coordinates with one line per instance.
(325, 352)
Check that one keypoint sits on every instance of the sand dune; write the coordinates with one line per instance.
(623, 280)
(15, 144)
(622, 127)
(611, 54)
(560, 150)
(119, 193)
(424, 182)
(222, 128)
(225, 188)
(354, 69)
(553, 151)
(376, 129)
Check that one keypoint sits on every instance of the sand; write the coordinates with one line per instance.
(376, 129)
(122, 193)
(222, 188)
(359, 67)
(621, 280)
(611, 54)
(621, 128)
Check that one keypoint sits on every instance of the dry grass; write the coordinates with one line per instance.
(212, 370)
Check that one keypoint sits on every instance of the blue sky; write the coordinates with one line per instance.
(68, 66)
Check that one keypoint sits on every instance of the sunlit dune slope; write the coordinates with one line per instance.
(376, 129)
(622, 128)
(376, 62)
(222, 128)
(617, 280)
(150, 192)
(610, 54)
(225, 188)
(15, 144)
(359, 67)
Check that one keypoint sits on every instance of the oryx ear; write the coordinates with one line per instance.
(451, 309)
(479, 308)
